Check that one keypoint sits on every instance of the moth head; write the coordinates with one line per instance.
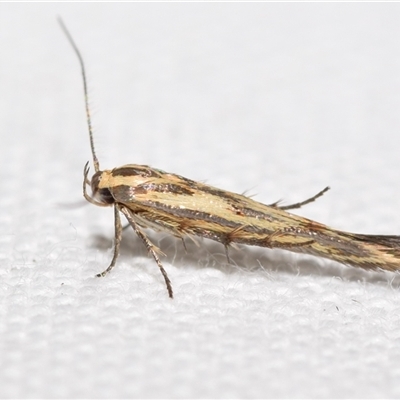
(100, 188)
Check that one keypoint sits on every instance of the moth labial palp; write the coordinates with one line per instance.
(151, 198)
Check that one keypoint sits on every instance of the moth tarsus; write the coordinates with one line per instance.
(151, 198)
(303, 203)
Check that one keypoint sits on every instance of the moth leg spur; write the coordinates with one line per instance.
(150, 247)
(229, 239)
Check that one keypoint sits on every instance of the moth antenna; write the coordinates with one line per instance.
(85, 90)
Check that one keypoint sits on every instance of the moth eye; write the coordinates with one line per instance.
(102, 194)
(105, 196)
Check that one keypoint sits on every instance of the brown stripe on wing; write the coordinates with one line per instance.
(134, 170)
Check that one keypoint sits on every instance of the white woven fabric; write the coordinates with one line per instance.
(279, 100)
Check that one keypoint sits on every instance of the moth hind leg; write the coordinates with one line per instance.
(229, 240)
(151, 248)
(183, 243)
(302, 203)
(228, 259)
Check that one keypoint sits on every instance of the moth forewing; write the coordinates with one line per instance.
(152, 198)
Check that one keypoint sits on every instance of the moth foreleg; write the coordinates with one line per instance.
(149, 245)
(117, 242)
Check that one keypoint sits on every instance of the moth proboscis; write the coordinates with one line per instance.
(152, 198)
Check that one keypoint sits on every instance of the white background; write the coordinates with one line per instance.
(276, 99)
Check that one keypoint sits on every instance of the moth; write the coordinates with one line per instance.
(151, 198)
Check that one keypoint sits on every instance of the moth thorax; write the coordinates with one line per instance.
(101, 194)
